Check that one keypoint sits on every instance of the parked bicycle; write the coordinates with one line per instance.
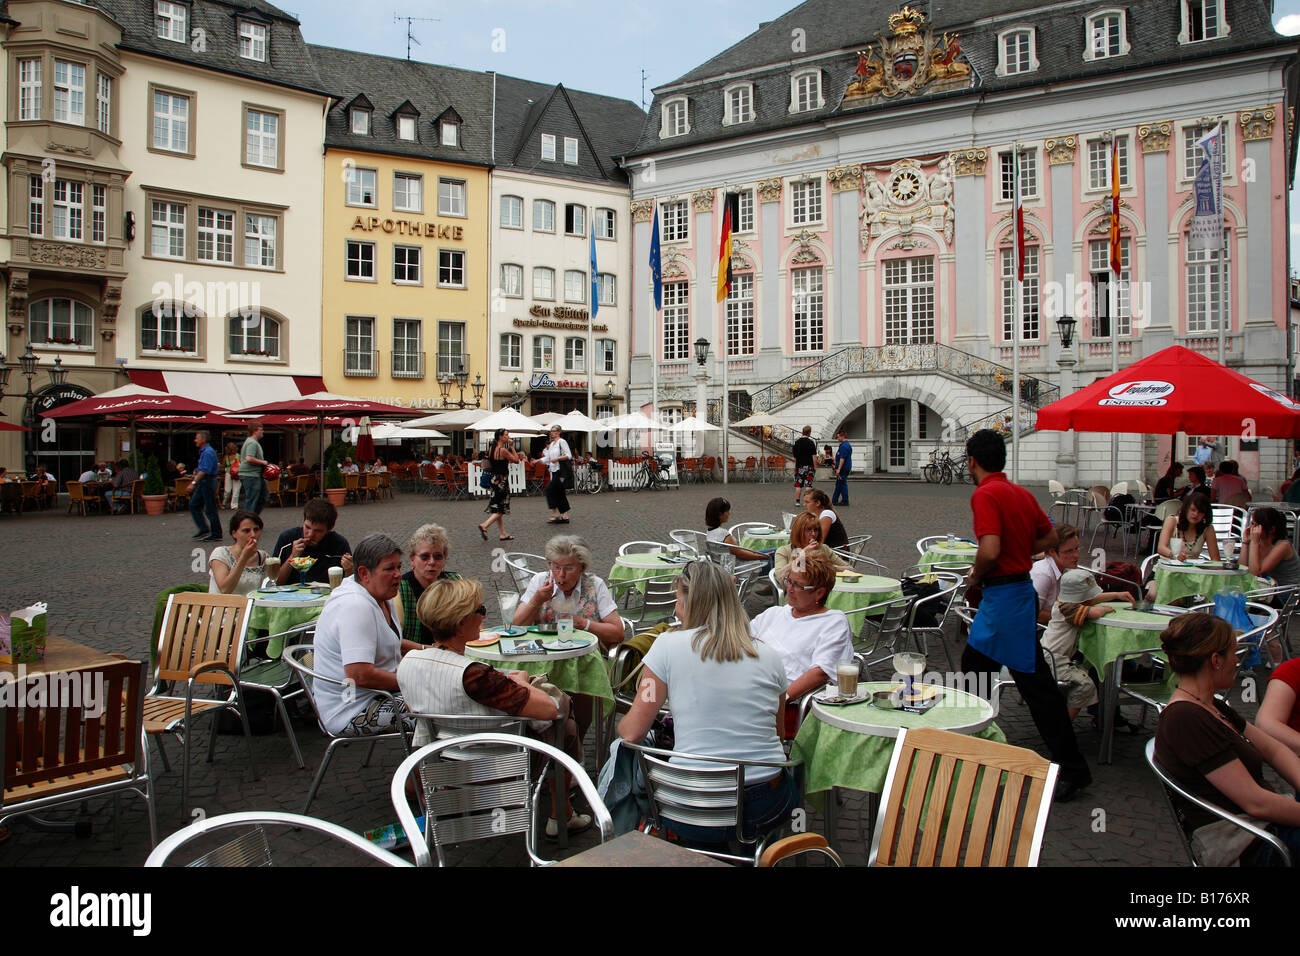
(944, 468)
(588, 477)
(653, 472)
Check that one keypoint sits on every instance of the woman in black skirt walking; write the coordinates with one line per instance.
(556, 455)
(501, 456)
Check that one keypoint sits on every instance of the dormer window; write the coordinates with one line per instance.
(171, 21)
(360, 121)
(252, 41)
(1017, 52)
(571, 150)
(674, 121)
(806, 91)
(1202, 20)
(1106, 35)
(548, 147)
(406, 128)
(739, 104)
(450, 133)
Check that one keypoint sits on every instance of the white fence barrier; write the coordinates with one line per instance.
(625, 476)
(518, 482)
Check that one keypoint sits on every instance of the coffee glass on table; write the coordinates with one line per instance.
(336, 576)
(273, 569)
(847, 679)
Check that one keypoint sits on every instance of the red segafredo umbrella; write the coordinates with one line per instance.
(1175, 390)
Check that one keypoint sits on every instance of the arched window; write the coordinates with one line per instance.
(253, 334)
(61, 322)
(170, 327)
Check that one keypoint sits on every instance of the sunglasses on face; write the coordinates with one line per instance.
(430, 557)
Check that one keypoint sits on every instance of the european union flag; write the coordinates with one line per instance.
(656, 278)
(595, 278)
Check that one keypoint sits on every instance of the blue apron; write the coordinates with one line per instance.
(1006, 626)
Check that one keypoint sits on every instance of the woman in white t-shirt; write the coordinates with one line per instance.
(555, 452)
(716, 514)
(240, 567)
(728, 694)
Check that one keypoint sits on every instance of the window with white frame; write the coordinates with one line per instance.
(359, 120)
(406, 128)
(451, 268)
(512, 351)
(408, 192)
(575, 354)
(739, 104)
(29, 89)
(571, 150)
(606, 283)
(252, 41)
(171, 21)
(806, 91)
(104, 104)
(604, 224)
(1202, 20)
(167, 230)
(360, 260)
(809, 309)
(450, 133)
(1099, 162)
(1209, 286)
(362, 186)
(676, 220)
(98, 213)
(216, 236)
(262, 143)
(674, 119)
(740, 315)
(543, 353)
(606, 357)
(171, 122)
(543, 215)
(1028, 175)
(67, 210)
(543, 283)
(1106, 35)
(255, 335)
(604, 411)
(909, 301)
(512, 212)
(512, 280)
(1029, 325)
(575, 219)
(259, 241)
(35, 206)
(407, 262)
(548, 147)
(451, 197)
(1192, 153)
(1016, 52)
(60, 322)
(1105, 301)
(806, 202)
(359, 345)
(408, 355)
(745, 205)
(575, 286)
(677, 321)
(451, 348)
(69, 93)
(172, 327)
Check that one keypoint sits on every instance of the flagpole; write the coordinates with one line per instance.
(1112, 298)
(591, 313)
(1223, 252)
(1016, 308)
(656, 321)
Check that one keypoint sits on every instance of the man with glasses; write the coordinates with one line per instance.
(1046, 572)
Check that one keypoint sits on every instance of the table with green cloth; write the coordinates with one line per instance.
(277, 611)
(764, 541)
(1176, 580)
(631, 570)
(576, 671)
(959, 552)
(851, 746)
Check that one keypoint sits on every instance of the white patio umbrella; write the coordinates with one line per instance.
(509, 419)
(387, 431)
(456, 420)
(693, 424)
(575, 421)
(547, 418)
(759, 420)
(633, 421)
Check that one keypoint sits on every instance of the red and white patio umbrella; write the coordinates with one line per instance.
(323, 406)
(131, 403)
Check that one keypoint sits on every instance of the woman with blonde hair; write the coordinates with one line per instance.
(728, 694)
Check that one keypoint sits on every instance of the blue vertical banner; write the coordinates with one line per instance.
(656, 273)
(1206, 230)
(595, 277)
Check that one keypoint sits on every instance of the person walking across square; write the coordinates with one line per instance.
(203, 495)
(843, 465)
(251, 466)
(1010, 528)
(805, 463)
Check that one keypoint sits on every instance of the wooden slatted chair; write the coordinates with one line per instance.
(954, 800)
(370, 487)
(53, 753)
(137, 496)
(31, 492)
(201, 643)
(77, 498)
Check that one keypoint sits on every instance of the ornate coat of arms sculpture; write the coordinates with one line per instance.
(910, 61)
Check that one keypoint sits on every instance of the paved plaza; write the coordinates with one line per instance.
(100, 576)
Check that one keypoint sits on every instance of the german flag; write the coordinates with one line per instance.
(730, 214)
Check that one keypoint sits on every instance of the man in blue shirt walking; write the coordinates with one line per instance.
(843, 465)
(203, 495)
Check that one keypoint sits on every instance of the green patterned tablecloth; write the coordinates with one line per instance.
(764, 542)
(276, 620)
(834, 757)
(630, 569)
(588, 674)
(961, 552)
(1173, 583)
(1104, 639)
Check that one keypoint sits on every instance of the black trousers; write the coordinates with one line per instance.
(556, 496)
(1046, 706)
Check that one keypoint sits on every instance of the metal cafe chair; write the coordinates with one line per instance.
(252, 849)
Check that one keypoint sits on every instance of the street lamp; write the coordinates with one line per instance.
(478, 387)
(28, 362)
(609, 390)
(1066, 457)
(461, 376)
(514, 386)
(444, 386)
(58, 374)
(1065, 327)
(701, 350)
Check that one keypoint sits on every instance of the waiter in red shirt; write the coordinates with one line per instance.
(1010, 528)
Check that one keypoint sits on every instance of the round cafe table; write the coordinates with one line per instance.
(1176, 580)
(959, 552)
(579, 670)
(851, 746)
(629, 569)
(765, 540)
(276, 611)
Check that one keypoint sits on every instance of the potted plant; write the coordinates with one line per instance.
(334, 485)
(155, 492)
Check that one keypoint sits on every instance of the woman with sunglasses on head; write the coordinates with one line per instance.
(728, 699)
(428, 551)
(501, 456)
(442, 680)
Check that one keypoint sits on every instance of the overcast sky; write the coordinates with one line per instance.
(579, 43)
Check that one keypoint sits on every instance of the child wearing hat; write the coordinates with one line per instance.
(1076, 603)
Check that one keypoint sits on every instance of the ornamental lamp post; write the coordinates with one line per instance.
(701, 384)
(478, 387)
(1066, 458)
(28, 362)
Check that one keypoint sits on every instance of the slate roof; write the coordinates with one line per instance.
(835, 29)
(388, 82)
(287, 62)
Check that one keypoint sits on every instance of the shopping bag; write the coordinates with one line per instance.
(1231, 606)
